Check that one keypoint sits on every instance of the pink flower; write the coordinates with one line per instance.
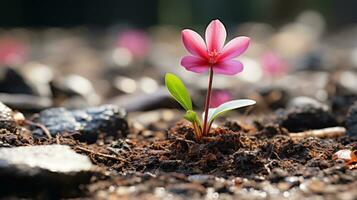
(219, 97)
(12, 51)
(273, 64)
(136, 41)
(213, 53)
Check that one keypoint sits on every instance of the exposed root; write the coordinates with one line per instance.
(41, 126)
(100, 154)
(331, 132)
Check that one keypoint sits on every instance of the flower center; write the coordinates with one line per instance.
(213, 56)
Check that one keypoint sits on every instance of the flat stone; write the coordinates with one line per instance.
(86, 123)
(35, 169)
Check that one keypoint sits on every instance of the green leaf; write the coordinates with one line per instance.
(213, 113)
(178, 91)
(192, 117)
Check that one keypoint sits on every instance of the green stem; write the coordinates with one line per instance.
(205, 130)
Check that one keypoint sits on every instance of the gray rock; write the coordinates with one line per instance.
(12, 81)
(144, 102)
(36, 169)
(54, 158)
(88, 123)
(304, 113)
(75, 91)
(26, 102)
(302, 101)
(351, 121)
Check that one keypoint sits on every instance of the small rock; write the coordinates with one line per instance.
(200, 178)
(186, 188)
(38, 76)
(304, 113)
(351, 121)
(11, 81)
(31, 170)
(302, 101)
(7, 120)
(277, 175)
(314, 185)
(289, 182)
(88, 123)
(143, 101)
(74, 91)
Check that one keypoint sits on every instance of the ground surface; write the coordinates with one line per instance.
(237, 161)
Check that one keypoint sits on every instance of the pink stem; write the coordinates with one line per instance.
(208, 99)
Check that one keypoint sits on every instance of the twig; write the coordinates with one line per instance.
(41, 126)
(320, 133)
(266, 166)
(100, 154)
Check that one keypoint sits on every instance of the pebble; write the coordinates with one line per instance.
(304, 113)
(186, 188)
(200, 178)
(34, 169)
(314, 185)
(303, 101)
(87, 123)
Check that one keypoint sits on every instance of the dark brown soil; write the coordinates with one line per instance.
(235, 161)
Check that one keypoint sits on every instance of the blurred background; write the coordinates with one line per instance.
(80, 53)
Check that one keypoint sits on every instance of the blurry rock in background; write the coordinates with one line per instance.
(74, 91)
(145, 101)
(124, 64)
(304, 113)
(13, 82)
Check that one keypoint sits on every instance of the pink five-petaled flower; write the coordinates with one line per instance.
(213, 53)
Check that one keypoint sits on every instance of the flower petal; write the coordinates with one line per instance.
(194, 64)
(215, 36)
(194, 43)
(228, 67)
(234, 48)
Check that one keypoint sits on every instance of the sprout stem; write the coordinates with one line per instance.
(205, 130)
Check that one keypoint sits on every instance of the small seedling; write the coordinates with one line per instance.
(212, 56)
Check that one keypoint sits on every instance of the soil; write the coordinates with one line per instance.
(244, 161)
